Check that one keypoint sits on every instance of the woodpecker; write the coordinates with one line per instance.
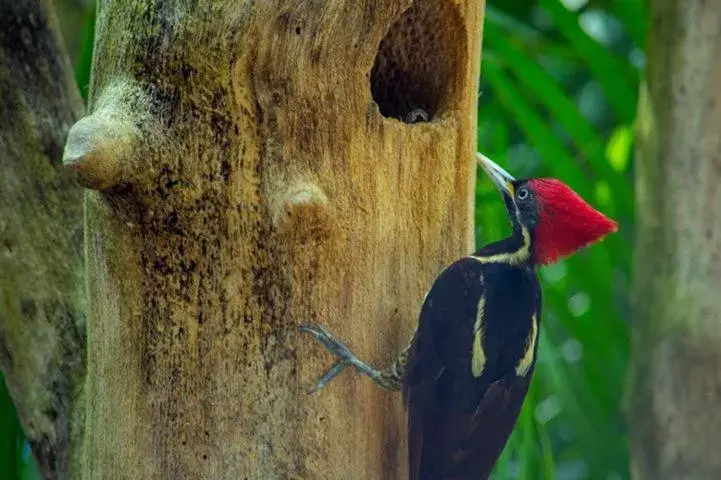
(466, 371)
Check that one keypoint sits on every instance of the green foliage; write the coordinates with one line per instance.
(16, 461)
(10, 434)
(84, 59)
(559, 82)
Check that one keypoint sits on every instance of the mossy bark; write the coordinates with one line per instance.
(42, 316)
(676, 375)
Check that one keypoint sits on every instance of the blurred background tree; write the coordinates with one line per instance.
(559, 83)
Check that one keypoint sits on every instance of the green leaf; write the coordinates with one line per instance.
(537, 130)
(618, 148)
(632, 14)
(10, 435)
(545, 89)
(617, 78)
(85, 58)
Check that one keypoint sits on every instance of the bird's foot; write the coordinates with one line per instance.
(345, 357)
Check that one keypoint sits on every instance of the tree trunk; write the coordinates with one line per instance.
(676, 381)
(257, 165)
(42, 322)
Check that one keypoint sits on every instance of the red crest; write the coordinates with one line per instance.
(567, 223)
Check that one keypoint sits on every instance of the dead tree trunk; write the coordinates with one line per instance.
(253, 166)
(676, 382)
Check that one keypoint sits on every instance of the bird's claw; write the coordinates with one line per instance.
(328, 341)
(346, 358)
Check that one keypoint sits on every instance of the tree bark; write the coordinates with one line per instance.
(255, 166)
(676, 374)
(42, 316)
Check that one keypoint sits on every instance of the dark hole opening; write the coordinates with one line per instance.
(418, 62)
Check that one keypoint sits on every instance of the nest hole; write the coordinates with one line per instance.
(419, 62)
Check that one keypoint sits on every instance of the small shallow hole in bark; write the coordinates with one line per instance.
(419, 63)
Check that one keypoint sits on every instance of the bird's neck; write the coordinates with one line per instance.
(514, 250)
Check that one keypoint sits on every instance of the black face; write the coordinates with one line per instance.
(523, 207)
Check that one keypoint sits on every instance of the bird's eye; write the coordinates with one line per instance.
(522, 193)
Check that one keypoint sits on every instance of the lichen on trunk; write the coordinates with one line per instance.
(42, 315)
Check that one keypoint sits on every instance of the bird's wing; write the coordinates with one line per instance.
(457, 424)
(489, 429)
(435, 383)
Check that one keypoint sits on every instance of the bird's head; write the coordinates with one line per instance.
(559, 221)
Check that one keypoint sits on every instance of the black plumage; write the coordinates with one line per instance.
(473, 354)
(459, 423)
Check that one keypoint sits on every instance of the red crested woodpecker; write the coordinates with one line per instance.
(466, 371)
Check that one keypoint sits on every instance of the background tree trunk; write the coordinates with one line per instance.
(676, 381)
(42, 322)
(254, 169)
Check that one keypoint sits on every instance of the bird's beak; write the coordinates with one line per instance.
(501, 178)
